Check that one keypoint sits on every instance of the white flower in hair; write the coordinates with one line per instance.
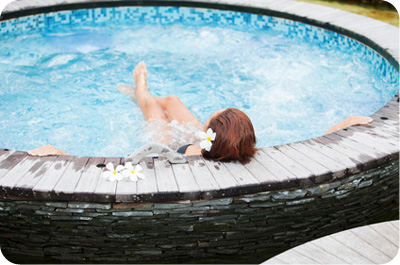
(133, 173)
(113, 174)
(207, 139)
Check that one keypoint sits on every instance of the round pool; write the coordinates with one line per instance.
(294, 80)
(59, 209)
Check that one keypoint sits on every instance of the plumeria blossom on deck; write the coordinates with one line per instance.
(121, 172)
(133, 173)
(113, 174)
(207, 139)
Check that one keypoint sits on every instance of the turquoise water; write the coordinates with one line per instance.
(58, 85)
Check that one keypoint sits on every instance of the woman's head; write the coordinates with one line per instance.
(235, 138)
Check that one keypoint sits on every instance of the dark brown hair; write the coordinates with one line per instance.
(235, 138)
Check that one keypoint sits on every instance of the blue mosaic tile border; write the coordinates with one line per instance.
(199, 16)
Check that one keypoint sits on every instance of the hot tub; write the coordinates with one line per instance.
(59, 209)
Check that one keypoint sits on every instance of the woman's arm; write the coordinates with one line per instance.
(350, 121)
(47, 150)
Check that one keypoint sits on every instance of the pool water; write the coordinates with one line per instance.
(294, 81)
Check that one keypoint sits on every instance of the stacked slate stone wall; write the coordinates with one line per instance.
(244, 229)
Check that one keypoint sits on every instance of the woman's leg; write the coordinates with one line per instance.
(176, 110)
(151, 109)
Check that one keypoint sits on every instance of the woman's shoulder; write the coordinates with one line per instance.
(192, 150)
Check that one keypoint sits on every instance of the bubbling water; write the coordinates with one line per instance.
(59, 85)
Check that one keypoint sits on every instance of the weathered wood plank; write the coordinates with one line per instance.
(386, 128)
(286, 178)
(265, 177)
(360, 246)
(303, 175)
(395, 226)
(51, 177)
(338, 169)
(8, 160)
(70, 178)
(386, 118)
(390, 124)
(360, 158)
(241, 174)
(126, 189)
(23, 187)
(221, 174)
(320, 172)
(2, 152)
(387, 234)
(185, 179)
(390, 232)
(359, 145)
(316, 253)
(149, 184)
(379, 135)
(331, 245)
(349, 163)
(105, 189)
(165, 176)
(203, 176)
(389, 111)
(88, 181)
(28, 165)
(373, 142)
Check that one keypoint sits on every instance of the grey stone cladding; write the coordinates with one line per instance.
(245, 229)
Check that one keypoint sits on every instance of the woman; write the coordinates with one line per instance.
(232, 134)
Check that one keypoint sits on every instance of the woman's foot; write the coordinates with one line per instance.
(152, 111)
(127, 90)
(140, 76)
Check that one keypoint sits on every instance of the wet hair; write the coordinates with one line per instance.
(235, 137)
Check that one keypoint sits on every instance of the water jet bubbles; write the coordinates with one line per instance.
(277, 79)
(61, 59)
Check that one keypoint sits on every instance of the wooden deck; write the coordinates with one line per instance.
(297, 164)
(372, 244)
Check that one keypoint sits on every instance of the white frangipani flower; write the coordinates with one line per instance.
(133, 173)
(207, 139)
(113, 174)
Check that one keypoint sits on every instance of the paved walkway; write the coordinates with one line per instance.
(372, 244)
